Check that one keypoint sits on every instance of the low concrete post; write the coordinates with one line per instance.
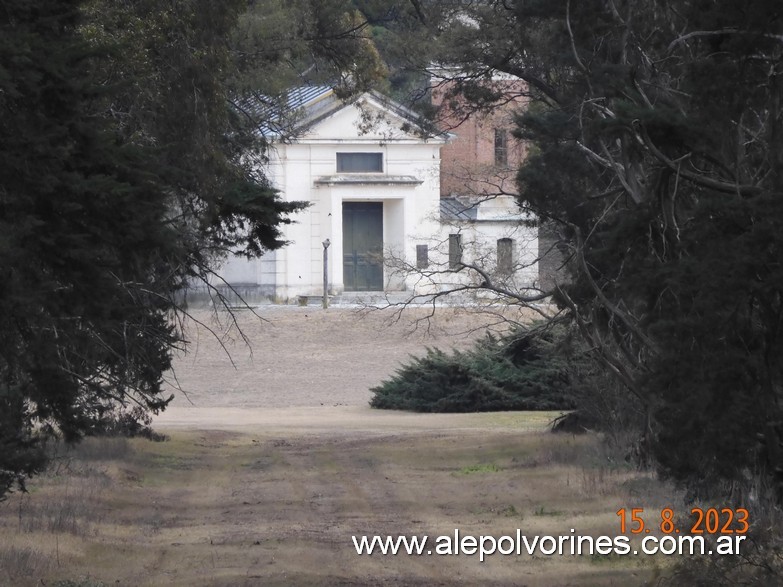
(326, 244)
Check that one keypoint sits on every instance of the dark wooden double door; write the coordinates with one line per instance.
(363, 246)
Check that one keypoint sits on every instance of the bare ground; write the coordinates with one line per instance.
(274, 464)
(305, 356)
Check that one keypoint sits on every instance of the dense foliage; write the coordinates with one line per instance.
(126, 168)
(519, 371)
(665, 129)
(656, 153)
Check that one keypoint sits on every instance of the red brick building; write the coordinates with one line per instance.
(478, 166)
(479, 211)
(482, 158)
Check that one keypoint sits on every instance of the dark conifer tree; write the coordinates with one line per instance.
(119, 178)
(657, 153)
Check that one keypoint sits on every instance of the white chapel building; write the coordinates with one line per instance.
(372, 178)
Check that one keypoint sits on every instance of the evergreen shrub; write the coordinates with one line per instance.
(522, 370)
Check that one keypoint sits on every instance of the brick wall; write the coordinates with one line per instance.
(468, 161)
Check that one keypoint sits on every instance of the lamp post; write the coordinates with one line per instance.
(326, 244)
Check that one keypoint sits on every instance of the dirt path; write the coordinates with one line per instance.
(343, 420)
(276, 463)
(278, 506)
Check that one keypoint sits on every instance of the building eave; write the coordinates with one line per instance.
(367, 179)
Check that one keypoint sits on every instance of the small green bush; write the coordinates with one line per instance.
(524, 370)
(120, 421)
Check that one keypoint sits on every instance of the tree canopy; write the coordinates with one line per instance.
(656, 152)
(128, 164)
(125, 170)
(665, 131)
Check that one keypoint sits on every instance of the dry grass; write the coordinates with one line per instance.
(230, 508)
(17, 563)
(276, 463)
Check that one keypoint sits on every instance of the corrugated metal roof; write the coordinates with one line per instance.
(302, 96)
(278, 115)
(284, 115)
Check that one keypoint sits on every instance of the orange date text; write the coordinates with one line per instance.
(702, 521)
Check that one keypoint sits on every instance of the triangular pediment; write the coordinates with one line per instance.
(369, 118)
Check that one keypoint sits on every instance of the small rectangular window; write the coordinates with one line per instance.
(505, 256)
(455, 251)
(501, 148)
(422, 257)
(359, 162)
